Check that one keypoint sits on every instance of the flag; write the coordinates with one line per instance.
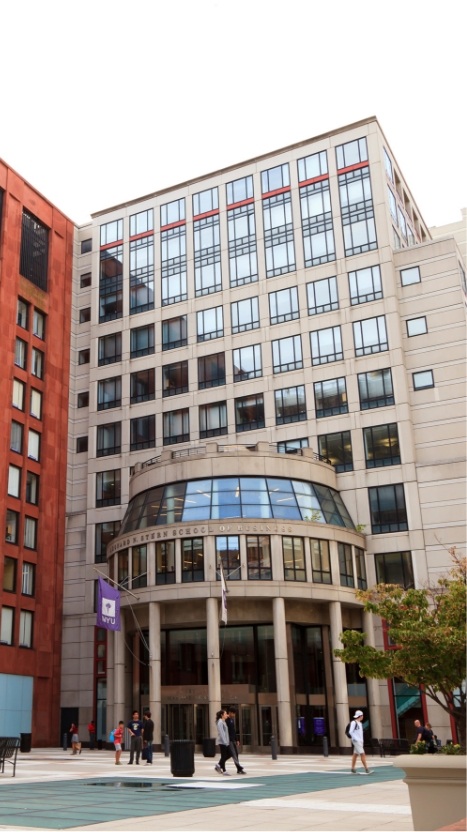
(223, 596)
(108, 606)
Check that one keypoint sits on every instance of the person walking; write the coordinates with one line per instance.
(118, 740)
(234, 742)
(75, 743)
(223, 741)
(148, 736)
(92, 735)
(135, 727)
(356, 735)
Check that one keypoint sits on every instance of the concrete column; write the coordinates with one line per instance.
(214, 665)
(155, 667)
(110, 714)
(282, 674)
(120, 709)
(374, 702)
(135, 676)
(338, 669)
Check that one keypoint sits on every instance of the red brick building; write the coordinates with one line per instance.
(36, 250)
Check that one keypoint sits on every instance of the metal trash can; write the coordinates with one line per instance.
(182, 758)
(209, 747)
(25, 742)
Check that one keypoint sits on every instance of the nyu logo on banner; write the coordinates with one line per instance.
(108, 606)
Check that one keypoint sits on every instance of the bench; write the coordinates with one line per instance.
(393, 746)
(8, 752)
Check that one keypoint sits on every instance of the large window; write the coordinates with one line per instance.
(192, 560)
(249, 413)
(210, 324)
(287, 354)
(243, 261)
(28, 579)
(317, 229)
(142, 386)
(375, 389)
(423, 380)
(34, 445)
(351, 153)
(142, 222)
(21, 353)
(173, 265)
(292, 446)
(228, 553)
(283, 305)
(211, 371)
(293, 553)
(326, 345)
(35, 403)
(370, 336)
(247, 363)
(139, 566)
(165, 562)
(345, 564)
(7, 625)
(173, 212)
(111, 232)
(16, 437)
(111, 284)
(109, 439)
(239, 190)
(358, 217)
(310, 167)
(175, 378)
(142, 341)
(278, 234)
(360, 567)
(258, 557)
(387, 509)
(34, 251)
(32, 488)
(108, 489)
(205, 201)
(9, 574)
(207, 255)
(104, 534)
(14, 481)
(26, 621)
(30, 533)
(142, 432)
(176, 426)
(381, 445)
(37, 363)
(245, 315)
(365, 285)
(330, 397)
(141, 275)
(19, 389)
(320, 561)
(337, 449)
(395, 568)
(174, 333)
(290, 405)
(322, 296)
(212, 419)
(22, 313)
(38, 324)
(12, 526)
(109, 393)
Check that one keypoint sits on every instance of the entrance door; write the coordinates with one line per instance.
(67, 716)
(266, 727)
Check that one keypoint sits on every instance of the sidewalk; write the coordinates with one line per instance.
(53, 790)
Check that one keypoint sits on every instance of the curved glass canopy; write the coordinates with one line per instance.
(229, 498)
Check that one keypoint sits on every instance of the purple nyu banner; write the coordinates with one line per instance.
(108, 606)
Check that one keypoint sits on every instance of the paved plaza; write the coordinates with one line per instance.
(55, 790)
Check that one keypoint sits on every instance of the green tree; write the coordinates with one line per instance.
(428, 626)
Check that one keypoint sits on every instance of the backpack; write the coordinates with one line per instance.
(111, 736)
(347, 730)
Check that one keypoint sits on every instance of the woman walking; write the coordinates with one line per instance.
(223, 741)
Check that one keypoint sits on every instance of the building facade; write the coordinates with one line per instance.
(267, 374)
(36, 250)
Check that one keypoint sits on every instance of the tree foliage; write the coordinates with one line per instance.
(428, 626)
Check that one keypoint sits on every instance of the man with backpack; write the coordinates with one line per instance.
(355, 732)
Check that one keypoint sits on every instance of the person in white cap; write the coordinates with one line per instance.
(356, 735)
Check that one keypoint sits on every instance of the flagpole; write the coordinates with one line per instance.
(120, 586)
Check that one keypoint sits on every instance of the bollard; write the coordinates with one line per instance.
(166, 745)
(65, 742)
(325, 747)
(273, 742)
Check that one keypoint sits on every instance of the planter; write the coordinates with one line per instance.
(437, 788)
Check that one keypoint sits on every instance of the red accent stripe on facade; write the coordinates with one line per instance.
(111, 245)
(141, 236)
(277, 191)
(353, 167)
(173, 225)
(313, 180)
(206, 214)
(240, 204)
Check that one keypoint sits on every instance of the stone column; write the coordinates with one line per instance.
(155, 668)
(374, 703)
(338, 669)
(214, 665)
(136, 687)
(282, 675)
(120, 710)
(110, 714)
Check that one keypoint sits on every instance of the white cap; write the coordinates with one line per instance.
(357, 713)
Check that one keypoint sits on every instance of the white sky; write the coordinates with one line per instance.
(103, 100)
